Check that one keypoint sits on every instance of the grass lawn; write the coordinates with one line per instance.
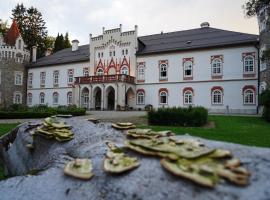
(252, 131)
(4, 128)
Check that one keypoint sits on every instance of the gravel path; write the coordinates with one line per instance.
(106, 116)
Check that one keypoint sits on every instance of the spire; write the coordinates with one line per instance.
(12, 34)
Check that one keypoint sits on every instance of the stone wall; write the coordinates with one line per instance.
(7, 85)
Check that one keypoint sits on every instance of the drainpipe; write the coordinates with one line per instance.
(103, 97)
(79, 95)
(259, 77)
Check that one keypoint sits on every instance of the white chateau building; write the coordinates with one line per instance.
(208, 67)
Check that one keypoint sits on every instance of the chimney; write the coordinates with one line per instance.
(34, 53)
(48, 52)
(103, 30)
(120, 26)
(75, 45)
(205, 25)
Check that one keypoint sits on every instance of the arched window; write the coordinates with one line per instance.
(248, 64)
(188, 69)
(140, 97)
(124, 70)
(140, 73)
(163, 96)
(163, 71)
(55, 98)
(42, 98)
(188, 97)
(69, 98)
(217, 97)
(249, 96)
(29, 99)
(17, 98)
(217, 67)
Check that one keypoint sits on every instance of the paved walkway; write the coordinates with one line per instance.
(112, 116)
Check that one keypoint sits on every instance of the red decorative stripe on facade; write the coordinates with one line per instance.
(253, 54)
(163, 62)
(188, 59)
(217, 57)
(163, 90)
(188, 89)
(251, 87)
(217, 88)
(140, 90)
(140, 64)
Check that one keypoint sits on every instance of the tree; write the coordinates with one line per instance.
(66, 41)
(252, 7)
(61, 42)
(3, 27)
(32, 27)
(19, 14)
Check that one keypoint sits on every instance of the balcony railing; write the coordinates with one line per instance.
(105, 79)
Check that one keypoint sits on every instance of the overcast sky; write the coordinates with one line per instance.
(81, 17)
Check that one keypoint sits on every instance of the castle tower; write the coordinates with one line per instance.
(264, 28)
(13, 59)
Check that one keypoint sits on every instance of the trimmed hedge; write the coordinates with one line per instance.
(24, 115)
(39, 111)
(192, 116)
(265, 101)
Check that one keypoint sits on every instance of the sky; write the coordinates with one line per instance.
(82, 17)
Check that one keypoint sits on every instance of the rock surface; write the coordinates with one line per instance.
(149, 181)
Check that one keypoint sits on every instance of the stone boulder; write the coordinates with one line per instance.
(47, 181)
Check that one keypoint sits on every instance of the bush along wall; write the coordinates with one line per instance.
(192, 116)
(265, 102)
(39, 111)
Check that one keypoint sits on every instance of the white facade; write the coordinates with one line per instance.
(232, 80)
(36, 87)
(224, 80)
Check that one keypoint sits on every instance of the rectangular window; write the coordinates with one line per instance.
(42, 78)
(30, 80)
(55, 78)
(249, 64)
(85, 71)
(141, 71)
(70, 76)
(0, 77)
(18, 78)
(163, 69)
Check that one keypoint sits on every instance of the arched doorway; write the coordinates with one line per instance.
(130, 99)
(110, 94)
(85, 98)
(97, 98)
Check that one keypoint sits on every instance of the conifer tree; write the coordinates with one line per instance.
(66, 41)
(32, 27)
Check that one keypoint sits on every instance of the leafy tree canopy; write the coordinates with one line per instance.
(253, 6)
(3, 27)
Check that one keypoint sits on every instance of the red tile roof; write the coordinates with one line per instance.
(12, 34)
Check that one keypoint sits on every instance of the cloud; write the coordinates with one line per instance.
(81, 17)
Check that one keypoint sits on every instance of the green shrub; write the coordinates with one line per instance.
(24, 115)
(41, 111)
(192, 116)
(265, 101)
